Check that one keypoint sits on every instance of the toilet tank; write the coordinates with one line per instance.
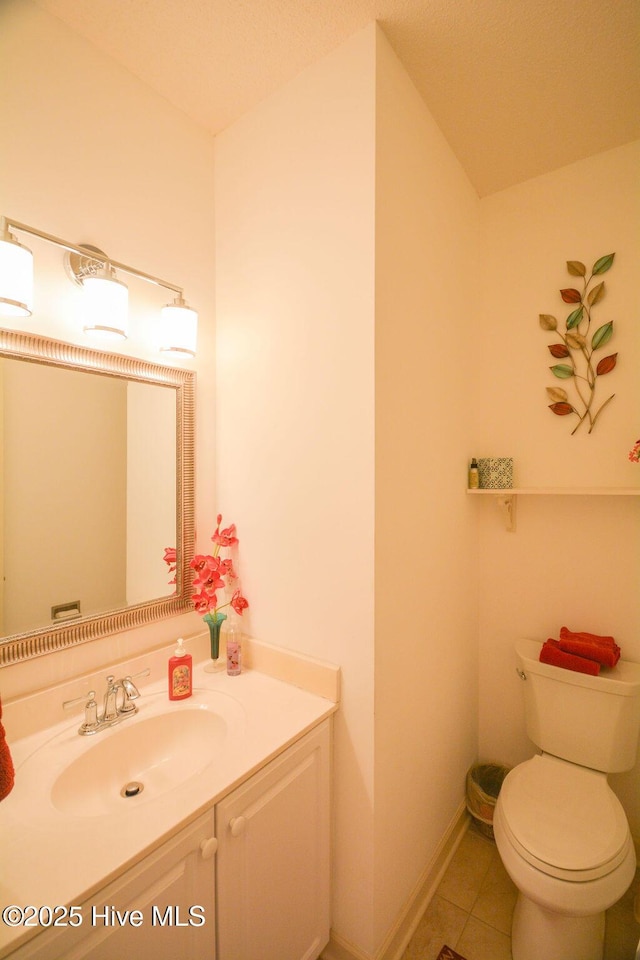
(592, 721)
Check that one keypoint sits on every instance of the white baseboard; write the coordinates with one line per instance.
(339, 949)
(408, 919)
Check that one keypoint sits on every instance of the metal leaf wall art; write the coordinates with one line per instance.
(578, 345)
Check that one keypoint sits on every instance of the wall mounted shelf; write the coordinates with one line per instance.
(508, 497)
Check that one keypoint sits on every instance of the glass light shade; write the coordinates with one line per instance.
(178, 328)
(16, 279)
(105, 308)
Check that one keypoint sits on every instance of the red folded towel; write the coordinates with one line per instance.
(553, 655)
(606, 656)
(566, 634)
(603, 650)
(7, 773)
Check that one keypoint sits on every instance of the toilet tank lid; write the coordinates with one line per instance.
(623, 679)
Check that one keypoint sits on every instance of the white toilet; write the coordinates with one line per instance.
(560, 830)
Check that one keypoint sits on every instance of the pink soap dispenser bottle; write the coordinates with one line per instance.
(180, 673)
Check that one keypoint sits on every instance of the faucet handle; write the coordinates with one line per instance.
(130, 691)
(91, 722)
(86, 697)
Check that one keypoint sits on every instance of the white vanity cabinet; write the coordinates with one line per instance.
(154, 910)
(254, 888)
(273, 857)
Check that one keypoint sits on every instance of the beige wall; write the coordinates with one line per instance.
(580, 212)
(427, 218)
(342, 442)
(295, 198)
(572, 560)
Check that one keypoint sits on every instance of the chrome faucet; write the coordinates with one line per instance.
(117, 706)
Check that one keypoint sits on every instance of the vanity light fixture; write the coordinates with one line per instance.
(16, 276)
(105, 296)
(105, 305)
(179, 328)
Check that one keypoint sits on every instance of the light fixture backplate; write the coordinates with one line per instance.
(79, 267)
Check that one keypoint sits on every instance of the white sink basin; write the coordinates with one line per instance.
(160, 750)
(142, 758)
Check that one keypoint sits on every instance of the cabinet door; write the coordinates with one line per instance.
(273, 858)
(170, 899)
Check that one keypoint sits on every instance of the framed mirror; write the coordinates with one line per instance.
(96, 482)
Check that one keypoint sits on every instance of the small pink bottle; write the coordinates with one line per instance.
(180, 673)
(234, 649)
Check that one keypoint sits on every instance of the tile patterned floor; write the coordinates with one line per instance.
(471, 910)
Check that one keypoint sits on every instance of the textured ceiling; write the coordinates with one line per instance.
(518, 87)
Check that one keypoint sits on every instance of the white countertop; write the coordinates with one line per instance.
(48, 857)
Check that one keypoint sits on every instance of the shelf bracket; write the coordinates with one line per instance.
(508, 503)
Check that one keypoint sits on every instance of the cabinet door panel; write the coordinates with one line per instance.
(273, 858)
(171, 890)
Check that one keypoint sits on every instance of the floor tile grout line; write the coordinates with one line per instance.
(469, 915)
(480, 886)
(461, 934)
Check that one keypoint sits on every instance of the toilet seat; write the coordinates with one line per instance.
(563, 819)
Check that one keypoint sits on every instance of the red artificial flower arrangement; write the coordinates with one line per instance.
(213, 573)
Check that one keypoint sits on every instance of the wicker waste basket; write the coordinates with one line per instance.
(483, 786)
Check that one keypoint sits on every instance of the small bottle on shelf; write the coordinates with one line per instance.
(474, 478)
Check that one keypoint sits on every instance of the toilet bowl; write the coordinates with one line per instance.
(561, 832)
(564, 839)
